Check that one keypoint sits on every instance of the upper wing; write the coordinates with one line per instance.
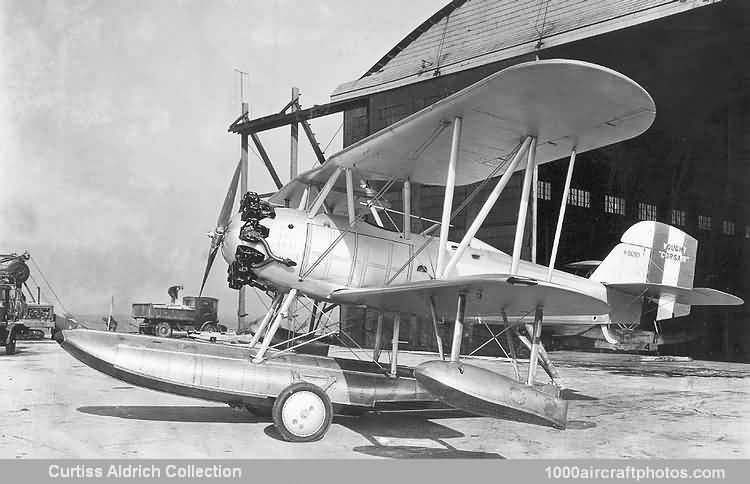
(565, 104)
(488, 294)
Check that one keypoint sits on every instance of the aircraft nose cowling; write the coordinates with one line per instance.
(484, 392)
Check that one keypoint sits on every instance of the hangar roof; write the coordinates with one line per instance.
(469, 33)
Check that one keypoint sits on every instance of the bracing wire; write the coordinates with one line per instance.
(49, 286)
(333, 137)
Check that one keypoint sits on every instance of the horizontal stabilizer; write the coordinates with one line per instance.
(584, 265)
(696, 296)
(485, 295)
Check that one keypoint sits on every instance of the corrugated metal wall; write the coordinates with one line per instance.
(485, 31)
(696, 158)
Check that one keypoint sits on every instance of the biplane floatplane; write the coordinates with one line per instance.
(323, 247)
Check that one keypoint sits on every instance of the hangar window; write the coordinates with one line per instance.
(678, 217)
(614, 205)
(579, 197)
(727, 227)
(392, 113)
(646, 211)
(704, 222)
(544, 190)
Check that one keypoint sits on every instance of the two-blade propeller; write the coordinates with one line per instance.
(225, 216)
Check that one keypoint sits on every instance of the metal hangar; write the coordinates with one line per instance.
(691, 169)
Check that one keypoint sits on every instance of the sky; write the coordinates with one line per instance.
(114, 150)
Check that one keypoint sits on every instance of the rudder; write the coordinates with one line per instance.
(653, 253)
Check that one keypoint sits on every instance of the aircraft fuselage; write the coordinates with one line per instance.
(331, 255)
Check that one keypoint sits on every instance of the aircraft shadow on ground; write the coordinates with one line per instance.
(378, 428)
(372, 427)
(417, 452)
(173, 413)
(570, 394)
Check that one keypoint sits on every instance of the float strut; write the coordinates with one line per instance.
(511, 345)
(458, 328)
(394, 343)
(535, 343)
(438, 339)
(378, 338)
(266, 319)
(289, 298)
(544, 359)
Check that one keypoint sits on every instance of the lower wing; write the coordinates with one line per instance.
(489, 294)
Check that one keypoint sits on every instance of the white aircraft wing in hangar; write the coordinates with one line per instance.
(564, 104)
(486, 294)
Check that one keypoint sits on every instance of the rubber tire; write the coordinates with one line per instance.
(163, 330)
(278, 406)
(10, 347)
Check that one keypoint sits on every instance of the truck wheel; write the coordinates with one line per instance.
(302, 412)
(163, 329)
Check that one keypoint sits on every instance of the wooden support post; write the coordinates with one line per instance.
(242, 296)
(244, 157)
(350, 197)
(378, 338)
(458, 328)
(266, 319)
(438, 339)
(288, 299)
(450, 184)
(394, 343)
(523, 208)
(561, 215)
(485, 210)
(406, 195)
(313, 142)
(266, 160)
(294, 144)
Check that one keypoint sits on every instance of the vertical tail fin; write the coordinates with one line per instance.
(652, 254)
